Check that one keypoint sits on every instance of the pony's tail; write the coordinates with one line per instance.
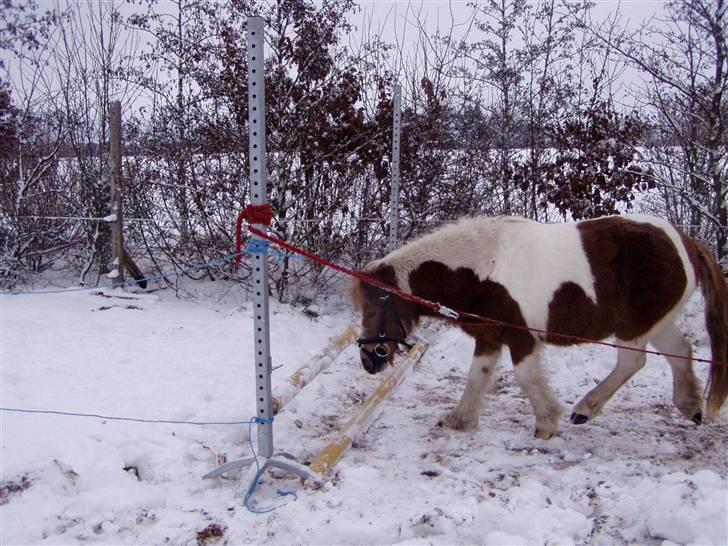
(715, 293)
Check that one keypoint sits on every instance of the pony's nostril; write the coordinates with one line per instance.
(381, 350)
(367, 363)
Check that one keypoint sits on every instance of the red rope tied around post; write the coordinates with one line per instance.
(438, 308)
(253, 214)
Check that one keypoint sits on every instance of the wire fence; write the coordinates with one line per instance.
(253, 247)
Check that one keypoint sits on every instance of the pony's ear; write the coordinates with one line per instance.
(356, 292)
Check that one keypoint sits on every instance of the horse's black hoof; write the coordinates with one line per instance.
(698, 418)
(578, 418)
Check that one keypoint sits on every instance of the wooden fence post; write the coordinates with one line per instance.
(117, 226)
(121, 258)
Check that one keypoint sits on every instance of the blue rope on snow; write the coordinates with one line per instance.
(249, 422)
(253, 486)
(131, 419)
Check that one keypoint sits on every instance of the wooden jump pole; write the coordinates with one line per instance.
(306, 373)
(367, 414)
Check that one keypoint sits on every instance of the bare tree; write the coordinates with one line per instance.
(550, 85)
(31, 188)
(90, 59)
(683, 58)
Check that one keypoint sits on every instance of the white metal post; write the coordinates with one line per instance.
(261, 322)
(258, 196)
(394, 190)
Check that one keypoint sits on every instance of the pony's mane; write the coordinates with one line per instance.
(466, 231)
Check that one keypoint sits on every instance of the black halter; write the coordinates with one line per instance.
(381, 350)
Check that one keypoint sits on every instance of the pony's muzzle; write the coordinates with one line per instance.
(374, 361)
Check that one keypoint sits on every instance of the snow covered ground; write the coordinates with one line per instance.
(640, 473)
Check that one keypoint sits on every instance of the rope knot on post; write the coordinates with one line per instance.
(253, 214)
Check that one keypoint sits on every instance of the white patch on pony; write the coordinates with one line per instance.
(534, 260)
(529, 259)
(468, 243)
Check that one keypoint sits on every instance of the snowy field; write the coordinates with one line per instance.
(640, 473)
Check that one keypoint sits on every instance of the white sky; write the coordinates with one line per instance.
(398, 21)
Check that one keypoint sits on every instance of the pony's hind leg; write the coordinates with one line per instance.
(685, 389)
(481, 376)
(629, 362)
(534, 385)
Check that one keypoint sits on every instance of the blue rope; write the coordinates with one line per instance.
(132, 419)
(249, 422)
(262, 246)
(257, 246)
(254, 485)
(254, 246)
(161, 276)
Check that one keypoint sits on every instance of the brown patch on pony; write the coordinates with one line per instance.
(362, 292)
(638, 279)
(715, 293)
(573, 313)
(462, 289)
(366, 296)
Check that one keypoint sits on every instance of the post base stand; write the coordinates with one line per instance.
(282, 461)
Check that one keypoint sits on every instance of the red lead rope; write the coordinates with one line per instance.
(254, 214)
(262, 214)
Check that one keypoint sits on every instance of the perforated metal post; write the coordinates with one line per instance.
(394, 190)
(258, 195)
(261, 331)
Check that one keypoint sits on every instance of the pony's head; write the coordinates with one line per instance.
(386, 320)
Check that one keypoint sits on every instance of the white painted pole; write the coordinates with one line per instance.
(394, 190)
(367, 413)
(258, 196)
(308, 372)
(261, 320)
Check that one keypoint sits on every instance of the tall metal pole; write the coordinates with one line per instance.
(394, 190)
(258, 196)
(261, 331)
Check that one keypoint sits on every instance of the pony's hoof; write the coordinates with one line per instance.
(698, 418)
(543, 434)
(578, 418)
(456, 421)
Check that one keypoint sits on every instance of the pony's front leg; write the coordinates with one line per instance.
(480, 379)
(629, 362)
(534, 385)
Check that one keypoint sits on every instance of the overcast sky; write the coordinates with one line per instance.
(399, 21)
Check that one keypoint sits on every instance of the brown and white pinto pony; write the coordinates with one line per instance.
(624, 276)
